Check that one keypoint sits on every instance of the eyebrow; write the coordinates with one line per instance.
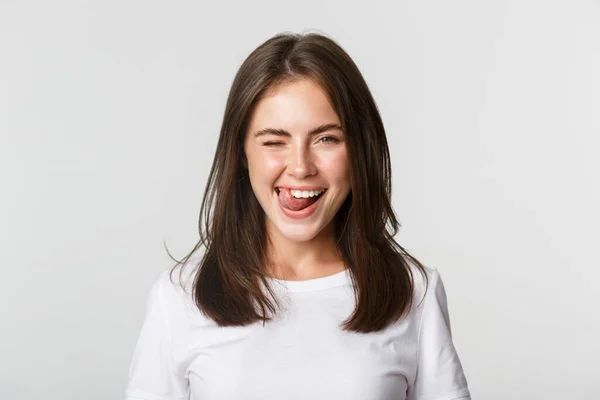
(282, 132)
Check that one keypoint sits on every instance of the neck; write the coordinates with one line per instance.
(293, 260)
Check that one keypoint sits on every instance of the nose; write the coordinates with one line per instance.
(301, 163)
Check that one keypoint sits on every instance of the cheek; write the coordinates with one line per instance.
(336, 167)
(263, 166)
(272, 162)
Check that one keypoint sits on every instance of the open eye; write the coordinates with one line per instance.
(329, 139)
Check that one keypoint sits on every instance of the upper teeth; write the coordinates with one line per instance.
(305, 193)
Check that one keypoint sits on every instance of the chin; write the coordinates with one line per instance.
(298, 234)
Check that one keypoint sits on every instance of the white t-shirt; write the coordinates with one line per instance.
(303, 354)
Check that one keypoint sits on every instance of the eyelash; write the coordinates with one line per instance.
(332, 141)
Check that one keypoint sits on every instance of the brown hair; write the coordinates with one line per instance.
(228, 280)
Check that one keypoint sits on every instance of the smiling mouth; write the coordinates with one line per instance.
(309, 199)
(278, 191)
(293, 203)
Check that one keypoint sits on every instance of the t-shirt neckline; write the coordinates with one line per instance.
(308, 285)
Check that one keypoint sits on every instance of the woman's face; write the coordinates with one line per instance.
(294, 142)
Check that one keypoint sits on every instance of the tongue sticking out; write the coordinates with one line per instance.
(291, 203)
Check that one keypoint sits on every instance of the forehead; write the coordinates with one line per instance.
(299, 104)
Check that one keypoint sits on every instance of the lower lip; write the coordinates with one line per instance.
(304, 213)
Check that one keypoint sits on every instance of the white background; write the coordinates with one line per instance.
(109, 116)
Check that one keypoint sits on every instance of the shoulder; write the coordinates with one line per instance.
(169, 287)
(429, 302)
(172, 290)
(425, 280)
(177, 281)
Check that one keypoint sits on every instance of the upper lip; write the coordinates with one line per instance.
(307, 188)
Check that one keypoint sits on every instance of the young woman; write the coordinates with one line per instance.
(301, 291)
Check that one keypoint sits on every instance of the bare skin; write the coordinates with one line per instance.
(299, 249)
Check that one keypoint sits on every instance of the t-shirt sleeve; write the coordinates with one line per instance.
(152, 371)
(439, 373)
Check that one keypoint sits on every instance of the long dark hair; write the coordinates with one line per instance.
(230, 284)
